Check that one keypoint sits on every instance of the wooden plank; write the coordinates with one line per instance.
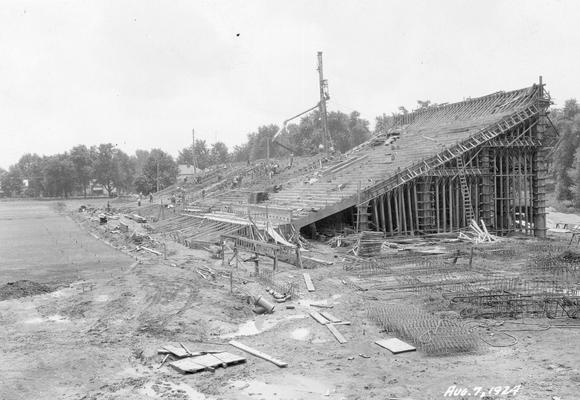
(395, 345)
(321, 305)
(176, 351)
(187, 365)
(319, 318)
(259, 354)
(206, 362)
(336, 333)
(330, 317)
(308, 282)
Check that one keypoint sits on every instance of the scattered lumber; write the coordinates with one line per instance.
(321, 305)
(150, 250)
(395, 345)
(308, 282)
(330, 317)
(476, 234)
(176, 351)
(317, 260)
(336, 333)
(259, 354)
(319, 318)
(206, 362)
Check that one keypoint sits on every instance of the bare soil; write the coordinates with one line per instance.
(96, 335)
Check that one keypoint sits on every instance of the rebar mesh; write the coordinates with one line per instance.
(433, 335)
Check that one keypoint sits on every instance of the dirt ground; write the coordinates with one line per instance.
(95, 335)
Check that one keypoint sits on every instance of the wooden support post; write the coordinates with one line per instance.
(389, 213)
(403, 213)
(410, 208)
(450, 188)
(397, 211)
(437, 210)
(383, 222)
(458, 213)
(375, 215)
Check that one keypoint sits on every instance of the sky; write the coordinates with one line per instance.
(142, 74)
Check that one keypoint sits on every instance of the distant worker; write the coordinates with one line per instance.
(150, 197)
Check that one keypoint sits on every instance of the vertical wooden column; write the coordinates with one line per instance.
(450, 189)
(382, 211)
(409, 207)
(389, 213)
(437, 209)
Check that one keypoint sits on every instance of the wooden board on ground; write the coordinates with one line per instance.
(395, 345)
(259, 354)
(319, 318)
(330, 317)
(176, 351)
(308, 282)
(336, 333)
(206, 362)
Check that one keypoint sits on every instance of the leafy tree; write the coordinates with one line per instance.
(12, 181)
(241, 153)
(124, 171)
(31, 168)
(105, 167)
(575, 177)
(59, 175)
(139, 160)
(142, 185)
(568, 126)
(218, 153)
(82, 159)
(345, 130)
(571, 109)
(383, 123)
(258, 143)
(202, 155)
(160, 166)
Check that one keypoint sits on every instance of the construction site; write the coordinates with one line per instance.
(423, 263)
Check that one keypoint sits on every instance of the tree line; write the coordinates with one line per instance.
(76, 171)
(565, 158)
(81, 169)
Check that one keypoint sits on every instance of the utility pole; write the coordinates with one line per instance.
(326, 140)
(193, 150)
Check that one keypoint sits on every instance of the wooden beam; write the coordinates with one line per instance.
(336, 333)
(259, 354)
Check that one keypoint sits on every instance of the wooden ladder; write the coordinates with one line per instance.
(467, 206)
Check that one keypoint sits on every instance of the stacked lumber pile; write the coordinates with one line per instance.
(476, 234)
(369, 244)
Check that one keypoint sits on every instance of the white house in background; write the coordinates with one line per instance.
(187, 171)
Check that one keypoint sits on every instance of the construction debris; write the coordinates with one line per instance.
(477, 234)
(308, 281)
(259, 354)
(336, 333)
(395, 345)
(206, 362)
